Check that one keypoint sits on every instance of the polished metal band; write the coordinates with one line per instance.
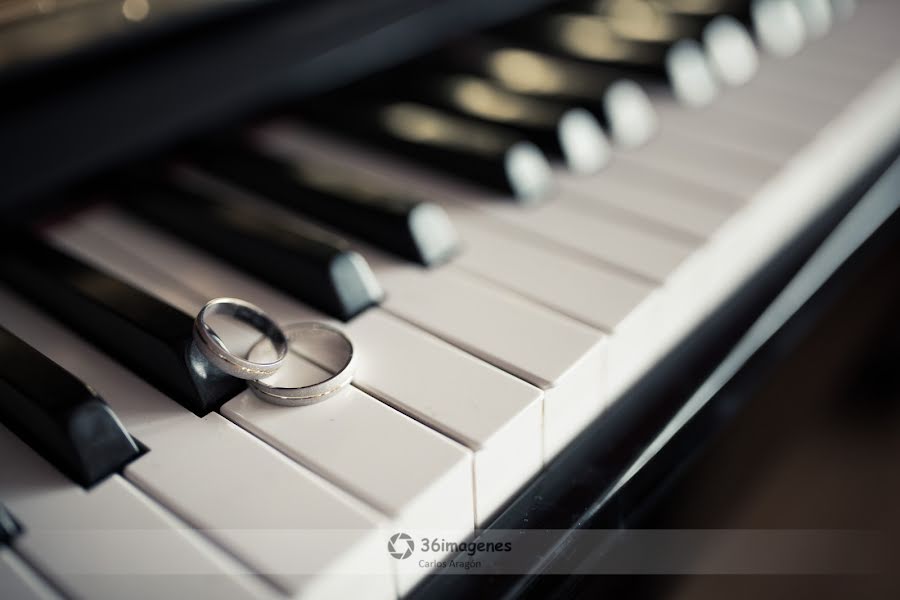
(308, 394)
(215, 350)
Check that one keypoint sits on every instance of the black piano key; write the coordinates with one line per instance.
(312, 265)
(9, 528)
(63, 419)
(492, 156)
(777, 25)
(725, 40)
(607, 92)
(417, 230)
(141, 331)
(683, 66)
(561, 130)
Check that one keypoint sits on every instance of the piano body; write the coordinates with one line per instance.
(557, 234)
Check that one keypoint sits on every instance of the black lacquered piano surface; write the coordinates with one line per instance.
(613, 266)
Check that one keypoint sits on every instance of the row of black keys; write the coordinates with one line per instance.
(63, 418)
(480, 98)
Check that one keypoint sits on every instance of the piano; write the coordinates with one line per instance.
(558, 235)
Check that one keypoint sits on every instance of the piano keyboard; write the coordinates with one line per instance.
(507, 256)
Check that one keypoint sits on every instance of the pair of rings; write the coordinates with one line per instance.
(281, 339)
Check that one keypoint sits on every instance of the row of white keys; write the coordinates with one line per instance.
(18, 581)
(742, 161)
(759, 138)
(851, 143)
(824, 90)
(820, 82)
(302, 533)
(783, 84)
(93, 543)
(656, 196)
(564, 358)
(753, 171)
(492, 413)
(549, 272)
(728, 170)
(810, 110)
(799, 101)
(787, 91)
(843, 56)
(750, 120)
(613, 242)
(751, 132)
(567, 283)
(708, 153)
(539, 260)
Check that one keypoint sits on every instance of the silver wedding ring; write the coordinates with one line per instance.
(215, 350)
(308, 394)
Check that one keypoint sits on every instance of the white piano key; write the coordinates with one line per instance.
(564, 358)
(812, 87)
(846, 53)
(863, 132)
(598, 297)
(729, 170)
(807, 92)
(519, 337)
(18, 581)
(358, 442)
(613, 242)
(873, 27)
(93, 543)
(780, 108)
(496, 416)
(822, 79)
(226, 482)
(747, 132)
(650, 195)
(289, 524)
(842, 60)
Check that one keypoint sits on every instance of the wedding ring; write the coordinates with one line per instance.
(316, 392)
(215, 350)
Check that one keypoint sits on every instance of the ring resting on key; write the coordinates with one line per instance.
(214, 349)
(316, 392)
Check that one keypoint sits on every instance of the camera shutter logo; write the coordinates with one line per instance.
(401, 546)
